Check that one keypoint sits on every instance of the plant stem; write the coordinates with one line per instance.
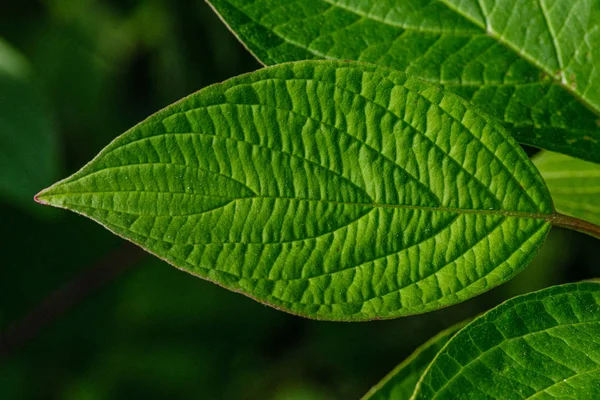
(576, 224)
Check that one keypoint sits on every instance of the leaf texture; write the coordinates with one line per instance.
(574, 185)
(543, 345)
(333, 190)
(532, 64)
(401, 382)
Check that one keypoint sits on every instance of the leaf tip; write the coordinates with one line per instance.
(38, 198)
(45, 197)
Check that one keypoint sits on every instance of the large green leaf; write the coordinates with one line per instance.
(574, 184)
(28, 145)
(401, 382)
(333, 190)
(531, 63)
(543, 345)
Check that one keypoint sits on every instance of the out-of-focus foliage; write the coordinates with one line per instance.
(28, 148)
(573, 183)
(156, 332)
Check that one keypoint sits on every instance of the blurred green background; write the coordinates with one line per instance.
(79, 73)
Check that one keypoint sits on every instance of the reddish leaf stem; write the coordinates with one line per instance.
(576, 224)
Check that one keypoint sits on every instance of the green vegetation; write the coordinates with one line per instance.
(331, 190)
(372, 170)
(531, 64)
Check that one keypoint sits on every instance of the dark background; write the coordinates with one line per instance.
(153, 331)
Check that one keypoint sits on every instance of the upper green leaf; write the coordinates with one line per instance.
(401, 382)
(542, 345)
(574, 185)
(531, 64)
(333, 190)
(28, 148)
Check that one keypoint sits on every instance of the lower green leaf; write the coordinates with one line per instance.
(400, 383)
(542, 345)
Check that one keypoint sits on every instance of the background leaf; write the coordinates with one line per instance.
(410, 200)
(531, 65)
(28, 142)
(544, 345)
(400, 383)
(574, 184)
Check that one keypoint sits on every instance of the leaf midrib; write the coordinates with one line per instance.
(505, 213)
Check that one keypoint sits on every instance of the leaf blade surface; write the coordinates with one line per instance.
(333, 190)
(529, 64)
(540, 345)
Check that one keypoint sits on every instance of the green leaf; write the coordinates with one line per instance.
(542, 345)
(28, 148)
(532, 65)
(574, 184)
(333, 190)
(400, 383)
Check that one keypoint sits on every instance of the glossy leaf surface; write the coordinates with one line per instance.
(541, 345)
(401, 382)
(333, 190)
(574, 185)
(531, 63)
(28, 148)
